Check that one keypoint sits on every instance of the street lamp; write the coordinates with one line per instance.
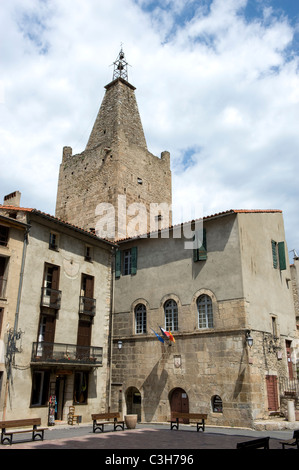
(249, 339)
(119, 344)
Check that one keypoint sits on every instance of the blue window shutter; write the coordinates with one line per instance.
(117, 264)
(282, 256)
(274, 254)
(134, 260)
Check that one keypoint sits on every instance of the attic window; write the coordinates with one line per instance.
(139, 180)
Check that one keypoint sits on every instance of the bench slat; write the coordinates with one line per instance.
(14, 423)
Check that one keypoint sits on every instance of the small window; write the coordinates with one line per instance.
(3, 235)
(217, 406)
(140, 319)
(53, 241)
(171, 315)
(274, 326)
(81, 387)
(88, 253)
(126, 262)
(205, 312)
(139, 180)
(200, 250)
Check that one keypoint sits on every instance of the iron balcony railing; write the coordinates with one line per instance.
(51, 298)
(87, 306)
(289, 387)
(61, 353)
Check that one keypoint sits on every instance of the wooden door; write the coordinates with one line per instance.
(83, 339)
(87, 288)
(49, 335)
(179, 402)
(272, 392)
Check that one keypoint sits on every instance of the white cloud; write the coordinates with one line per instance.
(215, 89)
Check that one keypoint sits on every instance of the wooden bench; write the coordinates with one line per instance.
(199, 418)
(262, 443)
(292, 442)
(21, 423)
(105, 419)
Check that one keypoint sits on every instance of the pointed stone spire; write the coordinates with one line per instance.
(118, 120)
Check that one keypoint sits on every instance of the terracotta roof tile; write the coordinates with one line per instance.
(57, 220)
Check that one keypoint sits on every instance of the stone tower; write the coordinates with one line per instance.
(115, 183)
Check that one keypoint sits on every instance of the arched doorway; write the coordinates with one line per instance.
(133, 402)
(179, 402)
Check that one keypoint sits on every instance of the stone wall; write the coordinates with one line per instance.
(116, 162)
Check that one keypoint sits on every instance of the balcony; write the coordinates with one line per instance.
(51, 298)
(61, 353)
(289, 387)
(87, 306)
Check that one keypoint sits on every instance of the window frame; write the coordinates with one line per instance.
(171, 314)
(140, 319)
(53, 241)
(4, 235)
(43, 393)
(82, 374)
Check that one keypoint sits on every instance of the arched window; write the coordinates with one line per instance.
(171, 315)
(140, 319)
(205, 311)
(217, 406)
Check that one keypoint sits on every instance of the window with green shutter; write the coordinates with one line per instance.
(282, 256)
(200, 252)
(126, 262)
(134, 260)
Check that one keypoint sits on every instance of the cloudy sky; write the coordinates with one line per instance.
(217, 86)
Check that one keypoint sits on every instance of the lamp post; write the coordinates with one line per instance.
(119, 344)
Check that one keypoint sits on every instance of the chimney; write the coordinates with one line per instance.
(12, 199)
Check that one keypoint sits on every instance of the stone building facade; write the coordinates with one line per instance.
(233, 290)
(57, 304)
(91, 309)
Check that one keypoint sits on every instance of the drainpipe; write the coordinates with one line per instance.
(11, 345)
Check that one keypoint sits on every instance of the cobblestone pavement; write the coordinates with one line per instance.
(145, 437)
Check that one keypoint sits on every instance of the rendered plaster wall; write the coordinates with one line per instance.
(70, 258)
